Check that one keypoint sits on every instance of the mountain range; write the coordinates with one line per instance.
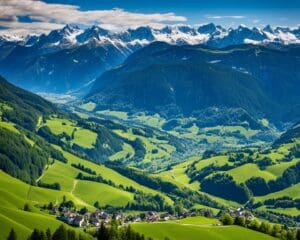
(70, 59)
(173, 80)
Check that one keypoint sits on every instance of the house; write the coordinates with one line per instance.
(241, 212)
(119, 216)
(96, 222)
(152, 216)
(137, 219)
(78, 221)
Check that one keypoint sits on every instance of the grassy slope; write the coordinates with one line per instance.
(150, 145)
(158, 231)
(14, 194)
(278, 169)
(65, 174)
(127, 150)
(82, 137)
(246, 171)
(218, 161)
(293, 192)
(199, 220)
(177, 175)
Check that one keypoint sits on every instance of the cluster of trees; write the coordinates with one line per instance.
(148, 202)
(275, 217)
(289, 177)
(105, 137)
(139, 148)
(97, 178)
(43, 144)
(260, 187)
(264, 163)
(55, 186)
(22, 160)
(46, 133)
(295, 151)
(274, 230)
(200, 175)
(61, 233)
(83, 168)
(283, 202)
(25, 108)
(223, 185)
(19, 159)
(114, 232)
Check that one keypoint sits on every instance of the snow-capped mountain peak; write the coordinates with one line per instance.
(209, 34)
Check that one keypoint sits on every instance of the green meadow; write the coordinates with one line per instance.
(82, 137)
(14, 194)
(65, 175)
(175, 231)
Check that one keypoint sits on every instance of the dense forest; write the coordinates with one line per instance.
(19, 158)
(26, 108)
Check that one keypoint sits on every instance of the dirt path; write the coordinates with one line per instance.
(74, 186)
(78, 199)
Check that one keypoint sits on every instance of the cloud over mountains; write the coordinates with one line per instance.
(42, 17)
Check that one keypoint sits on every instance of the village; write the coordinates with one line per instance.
(85, 219)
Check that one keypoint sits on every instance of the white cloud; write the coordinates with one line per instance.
(223, 17)
(48, 16)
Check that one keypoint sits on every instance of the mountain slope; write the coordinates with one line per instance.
(25, 107)
(70, 58)
(184, 79)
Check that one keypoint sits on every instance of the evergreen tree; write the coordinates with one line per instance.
(298, 234)
(60, 233)
(102, 233)
(12, 235)
(48, 234)
(71, 235)
(35, 235)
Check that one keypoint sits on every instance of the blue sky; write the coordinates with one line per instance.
(22, 16)
(255, 12)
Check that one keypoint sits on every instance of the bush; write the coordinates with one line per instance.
(226, 219)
